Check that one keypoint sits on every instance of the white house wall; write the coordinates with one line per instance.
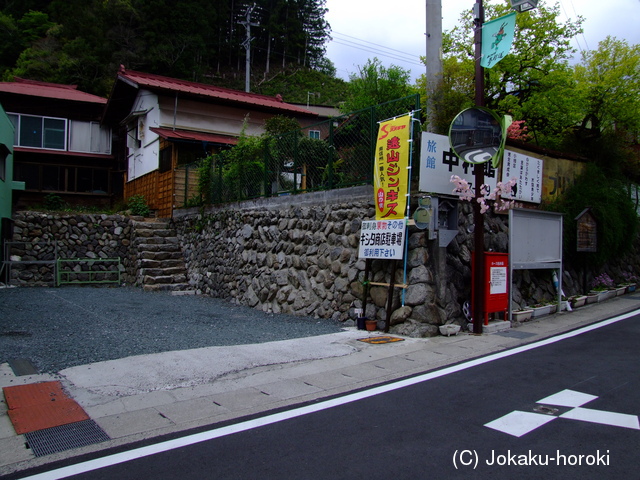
(202, 117)
(144, 159)
(185, 115)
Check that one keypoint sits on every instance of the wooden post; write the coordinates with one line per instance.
(392, 285)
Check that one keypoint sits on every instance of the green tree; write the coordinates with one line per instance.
(375, 84)
(532, 83)
(243, 168)
(88, 39)
(613, 209)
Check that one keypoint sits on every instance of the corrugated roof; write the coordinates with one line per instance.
(158, 82)
(34, 88)
(196, 136)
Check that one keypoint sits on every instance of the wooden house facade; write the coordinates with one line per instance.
(170, 123)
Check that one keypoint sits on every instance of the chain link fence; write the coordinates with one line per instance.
(335, 153)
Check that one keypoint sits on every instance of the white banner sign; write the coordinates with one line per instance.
(528, 171)
(438, 163)
(383, 239)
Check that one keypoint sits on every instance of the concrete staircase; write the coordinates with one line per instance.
(160, 263)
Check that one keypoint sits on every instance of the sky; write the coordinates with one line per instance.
(394, 31)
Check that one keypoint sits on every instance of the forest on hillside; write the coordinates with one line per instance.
(83, 42)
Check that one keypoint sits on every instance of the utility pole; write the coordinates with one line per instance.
(478, 218)
(434, 57)
(247, 46)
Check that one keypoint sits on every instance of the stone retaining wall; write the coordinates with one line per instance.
(43, 237)
(299, 255)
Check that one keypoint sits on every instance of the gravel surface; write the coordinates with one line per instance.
(57, 328)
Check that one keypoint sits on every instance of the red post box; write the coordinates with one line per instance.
(496, 277)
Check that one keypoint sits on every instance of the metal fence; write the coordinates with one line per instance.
(332, 154)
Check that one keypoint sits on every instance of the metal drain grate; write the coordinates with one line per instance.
(65, 437)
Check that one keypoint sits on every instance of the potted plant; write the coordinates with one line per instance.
(577, 300)
(371, 324)
(540, 309)
(601, 286)
(630, 281)
(521, 315)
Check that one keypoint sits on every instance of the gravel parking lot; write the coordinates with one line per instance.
(57, 328)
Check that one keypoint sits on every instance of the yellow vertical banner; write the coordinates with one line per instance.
(391, 174)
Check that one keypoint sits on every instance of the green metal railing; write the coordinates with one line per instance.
(87, 271)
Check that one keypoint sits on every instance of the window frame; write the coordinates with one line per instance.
(16, 118)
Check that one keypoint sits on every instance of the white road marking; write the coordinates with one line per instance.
(519, 423)
(568, 398)
(604, 418)
(168, 445)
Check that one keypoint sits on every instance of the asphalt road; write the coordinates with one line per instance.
(437, 426)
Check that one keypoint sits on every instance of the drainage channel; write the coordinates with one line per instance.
(65, 437)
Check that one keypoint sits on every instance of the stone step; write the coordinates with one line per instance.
(146, 255)
(157, 272)
(149, 280)
(146, 263)
(159, 247)
(155, 240)
(151, 225)
(166, 287)
(154, 232)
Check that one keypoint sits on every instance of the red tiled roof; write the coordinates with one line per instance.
(158, 82)
(197, 136)
(34, 88)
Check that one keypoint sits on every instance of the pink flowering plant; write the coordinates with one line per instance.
(602, 282)
(487, 197)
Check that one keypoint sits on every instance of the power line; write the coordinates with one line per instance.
(379, 53)
(372, 48)
(568, 18)
(377, 45)
(576, 13)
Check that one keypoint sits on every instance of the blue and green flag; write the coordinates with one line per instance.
(497, 36)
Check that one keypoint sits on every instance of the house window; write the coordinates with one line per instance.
(62, 178)
(190, 153)
(314, 134)
(89, 137)
(165, 159)
(40, 132)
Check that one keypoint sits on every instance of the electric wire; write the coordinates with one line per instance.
(576, 13)
(568, 18)
(376, 49)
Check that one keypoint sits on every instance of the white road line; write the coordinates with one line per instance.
(568, 398)
(603, 417)
(519, 423)
(165, 446)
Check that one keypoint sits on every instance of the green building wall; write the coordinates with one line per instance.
(7, 184)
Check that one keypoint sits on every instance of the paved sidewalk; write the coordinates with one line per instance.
(146, 396)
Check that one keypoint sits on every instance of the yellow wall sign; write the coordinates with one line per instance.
(391, 175)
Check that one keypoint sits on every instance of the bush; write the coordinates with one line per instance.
(138, 206)
(54, 202)
(612, 208)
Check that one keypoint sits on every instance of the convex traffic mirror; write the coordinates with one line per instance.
(476, 135)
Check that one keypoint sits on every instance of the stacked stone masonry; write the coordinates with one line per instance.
(290, 258)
